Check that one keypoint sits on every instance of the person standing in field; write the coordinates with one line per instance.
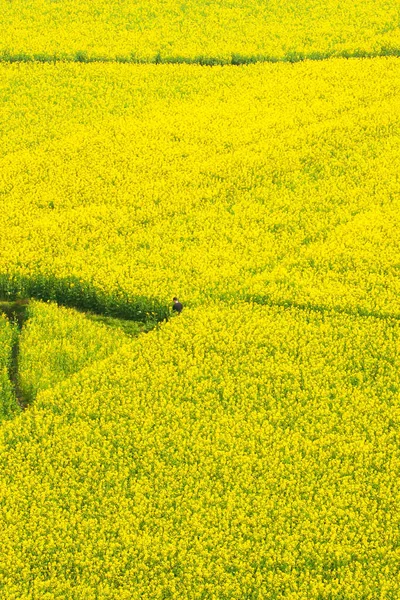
(177, 306)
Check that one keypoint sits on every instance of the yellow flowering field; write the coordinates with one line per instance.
(196, 30)
(57, 342)
(247, 449)
(127, 184)
(235, 452)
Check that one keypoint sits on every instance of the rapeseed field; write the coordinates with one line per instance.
(222, 31)
(249, 447)
(272, 181)
(236, 452)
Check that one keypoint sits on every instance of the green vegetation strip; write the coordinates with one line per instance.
(235, 59)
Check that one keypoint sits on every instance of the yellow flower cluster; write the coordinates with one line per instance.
(8, 405)
(235, 452)
(56, 342)
(274, 182)
(222, 30)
